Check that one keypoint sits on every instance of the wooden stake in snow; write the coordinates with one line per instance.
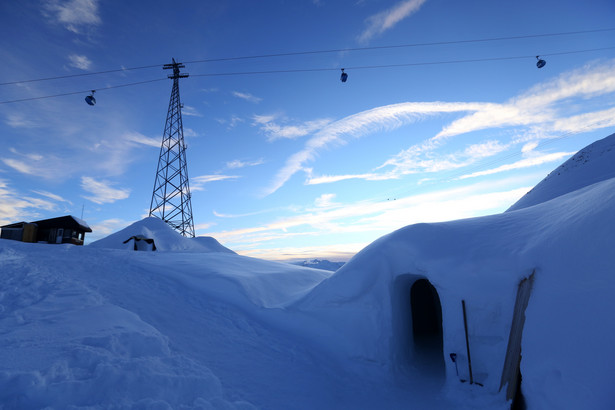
(465, 325)
(512, 363)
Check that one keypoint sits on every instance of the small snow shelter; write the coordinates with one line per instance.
(140, 243)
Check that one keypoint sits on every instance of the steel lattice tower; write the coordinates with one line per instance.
(171, 196)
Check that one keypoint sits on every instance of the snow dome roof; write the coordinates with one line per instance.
(165, 238)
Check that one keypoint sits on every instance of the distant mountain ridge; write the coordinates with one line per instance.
(592, 164)
(320, 264)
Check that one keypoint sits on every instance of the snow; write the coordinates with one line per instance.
(165, 239)
(592, 164)
(194, 325)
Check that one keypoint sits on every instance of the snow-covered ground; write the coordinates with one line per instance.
(194, 325)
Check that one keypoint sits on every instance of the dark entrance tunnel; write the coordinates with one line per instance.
(427, 327)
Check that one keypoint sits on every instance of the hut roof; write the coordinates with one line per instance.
(68, 221)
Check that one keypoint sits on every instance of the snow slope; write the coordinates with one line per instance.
(101, 326)
(592, 164)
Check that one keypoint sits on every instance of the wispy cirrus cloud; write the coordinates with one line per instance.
(537, 112)
(197, 183)
(380, 215)
(523, 163)
(80, 62)
(270, 126)
(138, 138)
(15, 207)
(52, 196)
(236, 163)
(538, 104)
(325, 201)
(413, 162)
(19, 166)
(106, 227)
(20, 120)
(377, 119)
(386, 20)
(247, 96)
(102, 191)
(73, 14)
(190, 111)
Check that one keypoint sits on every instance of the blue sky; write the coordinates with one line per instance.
(296, 163)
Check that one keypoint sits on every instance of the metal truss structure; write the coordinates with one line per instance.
(171, 195)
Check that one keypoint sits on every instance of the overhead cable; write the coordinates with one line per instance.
(297, 53)
(320, 69)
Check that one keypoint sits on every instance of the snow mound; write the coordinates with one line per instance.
(165, 238)
(592, 164)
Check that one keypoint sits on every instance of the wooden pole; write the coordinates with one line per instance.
(465, 325)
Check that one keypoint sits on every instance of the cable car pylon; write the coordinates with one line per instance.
(171, 199)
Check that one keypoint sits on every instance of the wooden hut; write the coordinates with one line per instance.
(63, 229)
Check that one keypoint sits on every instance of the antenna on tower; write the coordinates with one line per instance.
(171, 196)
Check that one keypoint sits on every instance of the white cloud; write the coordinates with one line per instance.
(19, 120)
(327, 179)
(411, 162)
(537, 105)
(584, 122)
(342, 252)
(19, 166)
(73, 14)
(247, 96)
(381, 215)
(539, 111)
(50, 195)
(196, 183)
(529, 147)
(15, 207)
(189, 132)
(190, 111)
(325, 201)
(377, 119)
(383, 21)
(139, 138)
(235, 164)
(203, 226)
(524, 163)
(106, 227)
(275, 131)
(80, 62)
(102, 191)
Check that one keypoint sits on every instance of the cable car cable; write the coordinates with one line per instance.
(82, 92)
(316, 70)
(297, 53)
(476, 60)
(437, 43)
